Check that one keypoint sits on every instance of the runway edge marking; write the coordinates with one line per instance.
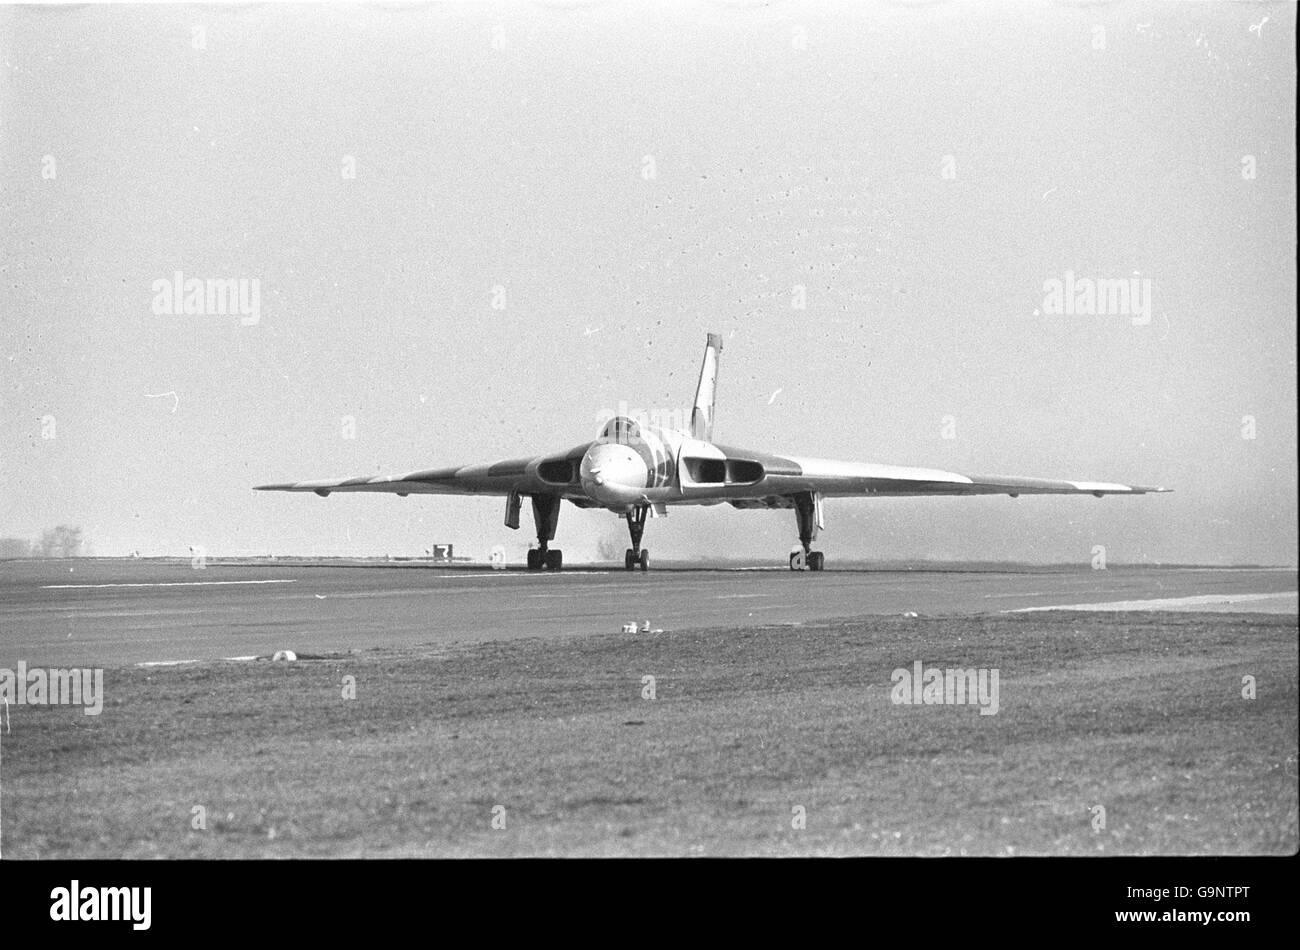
(285, 580)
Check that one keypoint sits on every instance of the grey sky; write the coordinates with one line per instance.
(505, 145)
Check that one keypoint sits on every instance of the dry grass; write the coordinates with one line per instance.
(1141, 714)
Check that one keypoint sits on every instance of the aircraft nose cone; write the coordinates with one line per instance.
(613, 474)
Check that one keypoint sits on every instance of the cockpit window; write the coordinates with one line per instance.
(621, 429)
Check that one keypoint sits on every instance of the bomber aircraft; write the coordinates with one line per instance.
(637, 470)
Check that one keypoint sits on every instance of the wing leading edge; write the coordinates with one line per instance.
(847, 479)
(550, 474)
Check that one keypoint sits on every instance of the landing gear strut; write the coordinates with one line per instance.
(636, 527)
(546, 515)
(807, 510)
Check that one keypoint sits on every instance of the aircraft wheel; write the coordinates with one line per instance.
(554, 560)
(645, 559)
(816, 561)
(629, 560)
(534, 559)
(798, 561)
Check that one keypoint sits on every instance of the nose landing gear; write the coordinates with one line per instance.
(636, 527)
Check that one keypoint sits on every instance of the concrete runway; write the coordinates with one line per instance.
(115, 612)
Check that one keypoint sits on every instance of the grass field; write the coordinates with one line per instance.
(1141, 714)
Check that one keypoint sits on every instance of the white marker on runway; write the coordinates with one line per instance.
(168, 584)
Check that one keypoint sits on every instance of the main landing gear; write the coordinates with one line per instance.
(546, 515)
(807, 510)
(539, 558)
(636, 527)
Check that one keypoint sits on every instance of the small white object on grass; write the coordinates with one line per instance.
(287, 655)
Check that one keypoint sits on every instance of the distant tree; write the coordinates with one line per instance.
(45, 546)
(69, 540)
(63, 541)
(15, 547)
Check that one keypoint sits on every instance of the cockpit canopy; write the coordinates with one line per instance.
(621, 429)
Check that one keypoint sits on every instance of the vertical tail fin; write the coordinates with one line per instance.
(702, 413)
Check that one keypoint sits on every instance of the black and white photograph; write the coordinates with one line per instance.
(580, 429)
